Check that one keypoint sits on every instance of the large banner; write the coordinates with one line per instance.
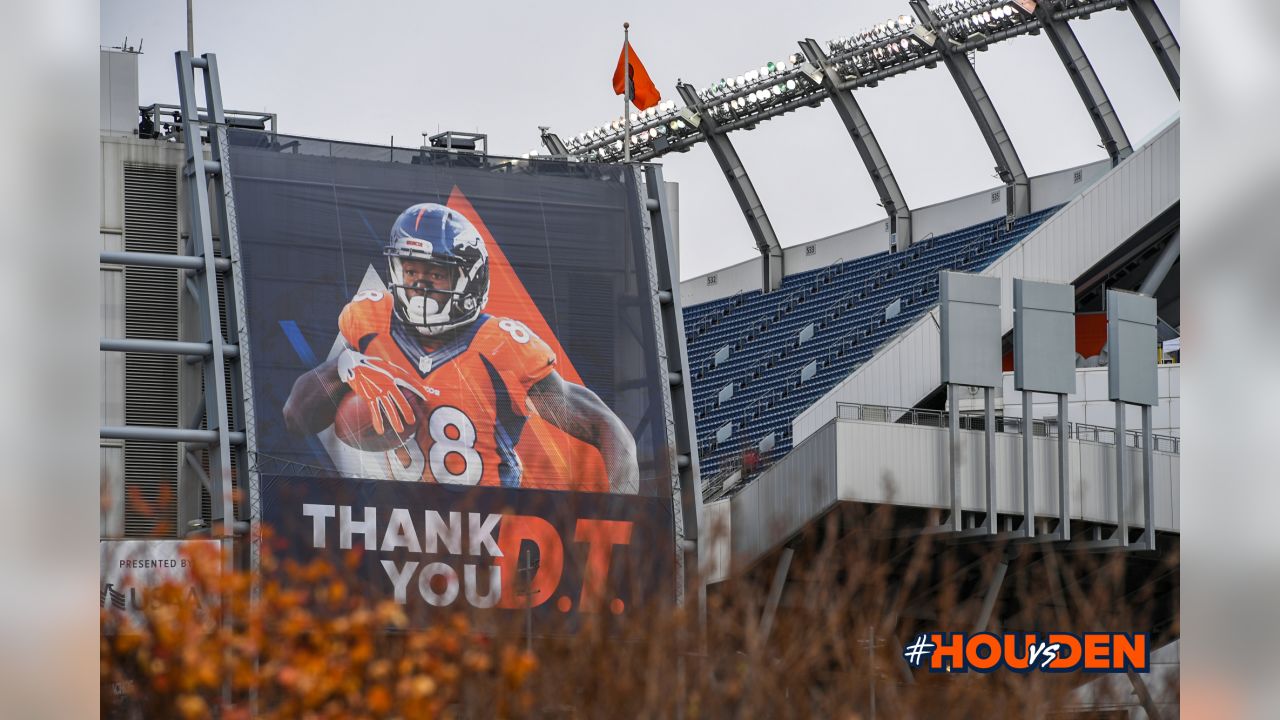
(456, 359)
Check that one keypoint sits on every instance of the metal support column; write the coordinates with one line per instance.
(1148, 486)
(873, 158)
(1064, 475)
(993, 589)
(1122, 479)
(197, 171)
(686, 487)
(989, 465)
(1164, 263)
(240, 381)
(748, 200)
(953, 441)
(1008, 166)
(775, 594)
(1028, 477)
(1163, 43)
(1073, 57)
(1144, 696)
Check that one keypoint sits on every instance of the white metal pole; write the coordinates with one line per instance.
(953, 440)
(1122, 473)
(191, 31)
(1064, 474)
(626, 92)
(989, 425)
(1148, 485)
(1028, 467)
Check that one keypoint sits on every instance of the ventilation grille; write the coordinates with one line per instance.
(151, 381)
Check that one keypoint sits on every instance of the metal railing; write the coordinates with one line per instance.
(1003, 424)
(161, 120)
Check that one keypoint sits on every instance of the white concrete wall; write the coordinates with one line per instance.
(1065, 246)
(722, 283)
(841, 247)
(786, 498)
(889, 463)
(1047, 191)
(1089, 404)
(908, 465)
(118, 149)
(118, 97)
(714, 546)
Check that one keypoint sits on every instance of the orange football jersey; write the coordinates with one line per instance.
(475, 386)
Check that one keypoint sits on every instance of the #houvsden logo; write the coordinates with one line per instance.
(1096, 652)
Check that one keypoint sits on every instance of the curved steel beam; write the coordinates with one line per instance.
(891, 197)
(1163, 43)
(1008, 165)
(1073, 57)
(552, 142)
(743, 190)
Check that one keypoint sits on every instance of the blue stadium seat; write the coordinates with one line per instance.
(846, 302)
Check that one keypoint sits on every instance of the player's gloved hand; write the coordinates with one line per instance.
(379, 383)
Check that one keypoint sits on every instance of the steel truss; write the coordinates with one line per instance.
(748, 199)
(948, 36)
(669, 128)
(1094, 97)
(227, 431)
(1008, 165)
(873, 158)
(1163, 43)
(686, 495)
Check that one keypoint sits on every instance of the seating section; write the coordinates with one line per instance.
(758, 360)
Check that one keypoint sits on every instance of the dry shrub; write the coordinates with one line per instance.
(312, 646)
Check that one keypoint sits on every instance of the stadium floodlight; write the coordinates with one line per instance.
(861, 59)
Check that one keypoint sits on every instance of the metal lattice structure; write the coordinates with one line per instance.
(944, 33)
(223, 423)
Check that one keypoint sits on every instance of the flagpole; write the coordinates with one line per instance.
(626, 94)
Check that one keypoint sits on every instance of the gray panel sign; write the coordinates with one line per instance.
(1044, 337)
(1131, 344)
(970, 329)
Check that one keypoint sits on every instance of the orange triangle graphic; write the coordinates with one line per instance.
(552, 459)
(507, 296)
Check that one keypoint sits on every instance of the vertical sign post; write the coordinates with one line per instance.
(970, 355)
(1044, 340)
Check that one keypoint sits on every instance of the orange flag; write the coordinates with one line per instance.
(644, 94)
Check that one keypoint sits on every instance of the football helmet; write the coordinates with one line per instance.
(436, 234)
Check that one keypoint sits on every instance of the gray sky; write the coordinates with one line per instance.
(367, 71)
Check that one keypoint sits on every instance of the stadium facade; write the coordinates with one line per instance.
(815, 386)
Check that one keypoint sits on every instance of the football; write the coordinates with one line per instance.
(353, 425)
